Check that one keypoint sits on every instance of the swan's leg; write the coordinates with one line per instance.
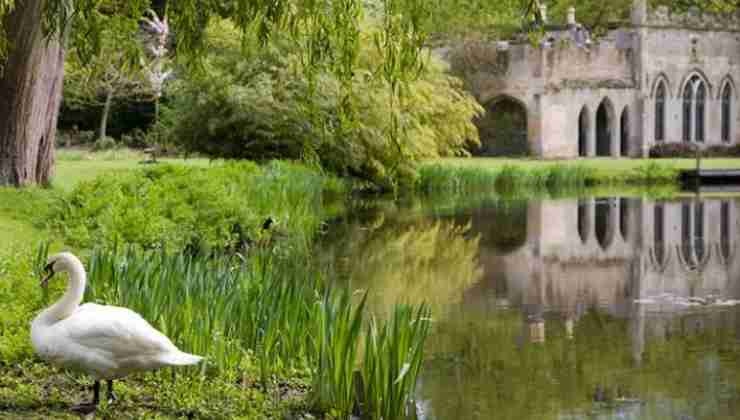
(87, 408)
(111, 395)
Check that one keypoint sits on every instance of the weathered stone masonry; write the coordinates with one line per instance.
(663, 78)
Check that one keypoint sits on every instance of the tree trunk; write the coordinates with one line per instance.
(106, 110)
(30, 95)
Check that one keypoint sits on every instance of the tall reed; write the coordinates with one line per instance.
(394, 352)
(278, 309)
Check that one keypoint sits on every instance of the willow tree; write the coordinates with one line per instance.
(33, 40)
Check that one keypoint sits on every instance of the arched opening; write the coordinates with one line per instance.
(624, 218)
(624, 132)
(584, 221)
(701, 94)
(603, 223)
(659, 233)
(694, 110)
(686, 235)
(726, 113)
(699, 249)
(724, 229)
(503, 226)
(503, 129)
(583, 130)
(604, 129)
(660, 112)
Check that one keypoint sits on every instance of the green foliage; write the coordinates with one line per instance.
(259, 106)
(203, 210)
(393, 358)
(337, 342)
(105, 143)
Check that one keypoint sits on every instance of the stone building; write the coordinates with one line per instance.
(657, 264)
(664, 77)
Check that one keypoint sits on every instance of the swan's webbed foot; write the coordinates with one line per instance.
(88, 408)
(111, 395)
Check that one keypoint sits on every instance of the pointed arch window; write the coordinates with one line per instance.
(660, 112)
(701, 94)
(688, 104)
(726, 110)
(694, 115)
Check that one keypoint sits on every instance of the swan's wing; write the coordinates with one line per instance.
(119, 332)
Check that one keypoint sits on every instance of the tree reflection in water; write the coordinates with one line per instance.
(557, 308)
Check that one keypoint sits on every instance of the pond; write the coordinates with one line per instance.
(590, 307)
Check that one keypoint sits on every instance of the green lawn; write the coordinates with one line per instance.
(74, 166)
(20, 208)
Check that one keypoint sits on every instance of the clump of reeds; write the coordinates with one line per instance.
(278, 309)
(503, 179)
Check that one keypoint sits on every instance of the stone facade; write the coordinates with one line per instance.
(640, 260)
(663, 78)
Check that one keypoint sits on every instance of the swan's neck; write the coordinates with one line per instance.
(72, 298)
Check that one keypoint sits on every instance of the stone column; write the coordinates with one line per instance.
(591, 134)
(616, 135)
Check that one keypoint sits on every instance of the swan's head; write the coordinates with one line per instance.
(60, 263)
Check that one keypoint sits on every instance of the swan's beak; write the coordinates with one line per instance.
(49, 270)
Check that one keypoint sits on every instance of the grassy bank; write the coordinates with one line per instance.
(188, 247)
(512, 174)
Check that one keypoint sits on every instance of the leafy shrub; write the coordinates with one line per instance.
(688, 150)
(136, 139)
(260, 106)
(673, 150)
(105, 143)
(202, 210)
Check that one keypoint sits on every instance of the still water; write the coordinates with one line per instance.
(587, 308)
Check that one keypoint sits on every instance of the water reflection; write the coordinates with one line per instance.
(569, 309)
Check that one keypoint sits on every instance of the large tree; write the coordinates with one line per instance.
(30, 94)
(32, 54)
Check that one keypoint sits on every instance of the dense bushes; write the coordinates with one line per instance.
(258, 105)
(688, 150)
(197, 209)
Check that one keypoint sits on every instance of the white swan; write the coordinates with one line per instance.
(106, 342)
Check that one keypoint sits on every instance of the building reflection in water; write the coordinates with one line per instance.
(651, 262)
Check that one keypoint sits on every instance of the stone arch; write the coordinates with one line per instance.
(727, 97)
(727, 80)
(662, 91)
(584, 130)
(725, 241)
(661, 78)
(624, 218)
(503, 128)
(605, 128)
(584, 220)
(700, 74)
(659, 241)
(604, 223)
(695, 91)
(624, 132)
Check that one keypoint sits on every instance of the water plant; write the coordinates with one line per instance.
(393, 359)
(272, 312)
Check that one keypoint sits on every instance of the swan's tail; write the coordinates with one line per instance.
(180, 359)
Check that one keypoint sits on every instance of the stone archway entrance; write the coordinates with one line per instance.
(604, 128)
(503, 128)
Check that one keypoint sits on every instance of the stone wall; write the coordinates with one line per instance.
(674, 55)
